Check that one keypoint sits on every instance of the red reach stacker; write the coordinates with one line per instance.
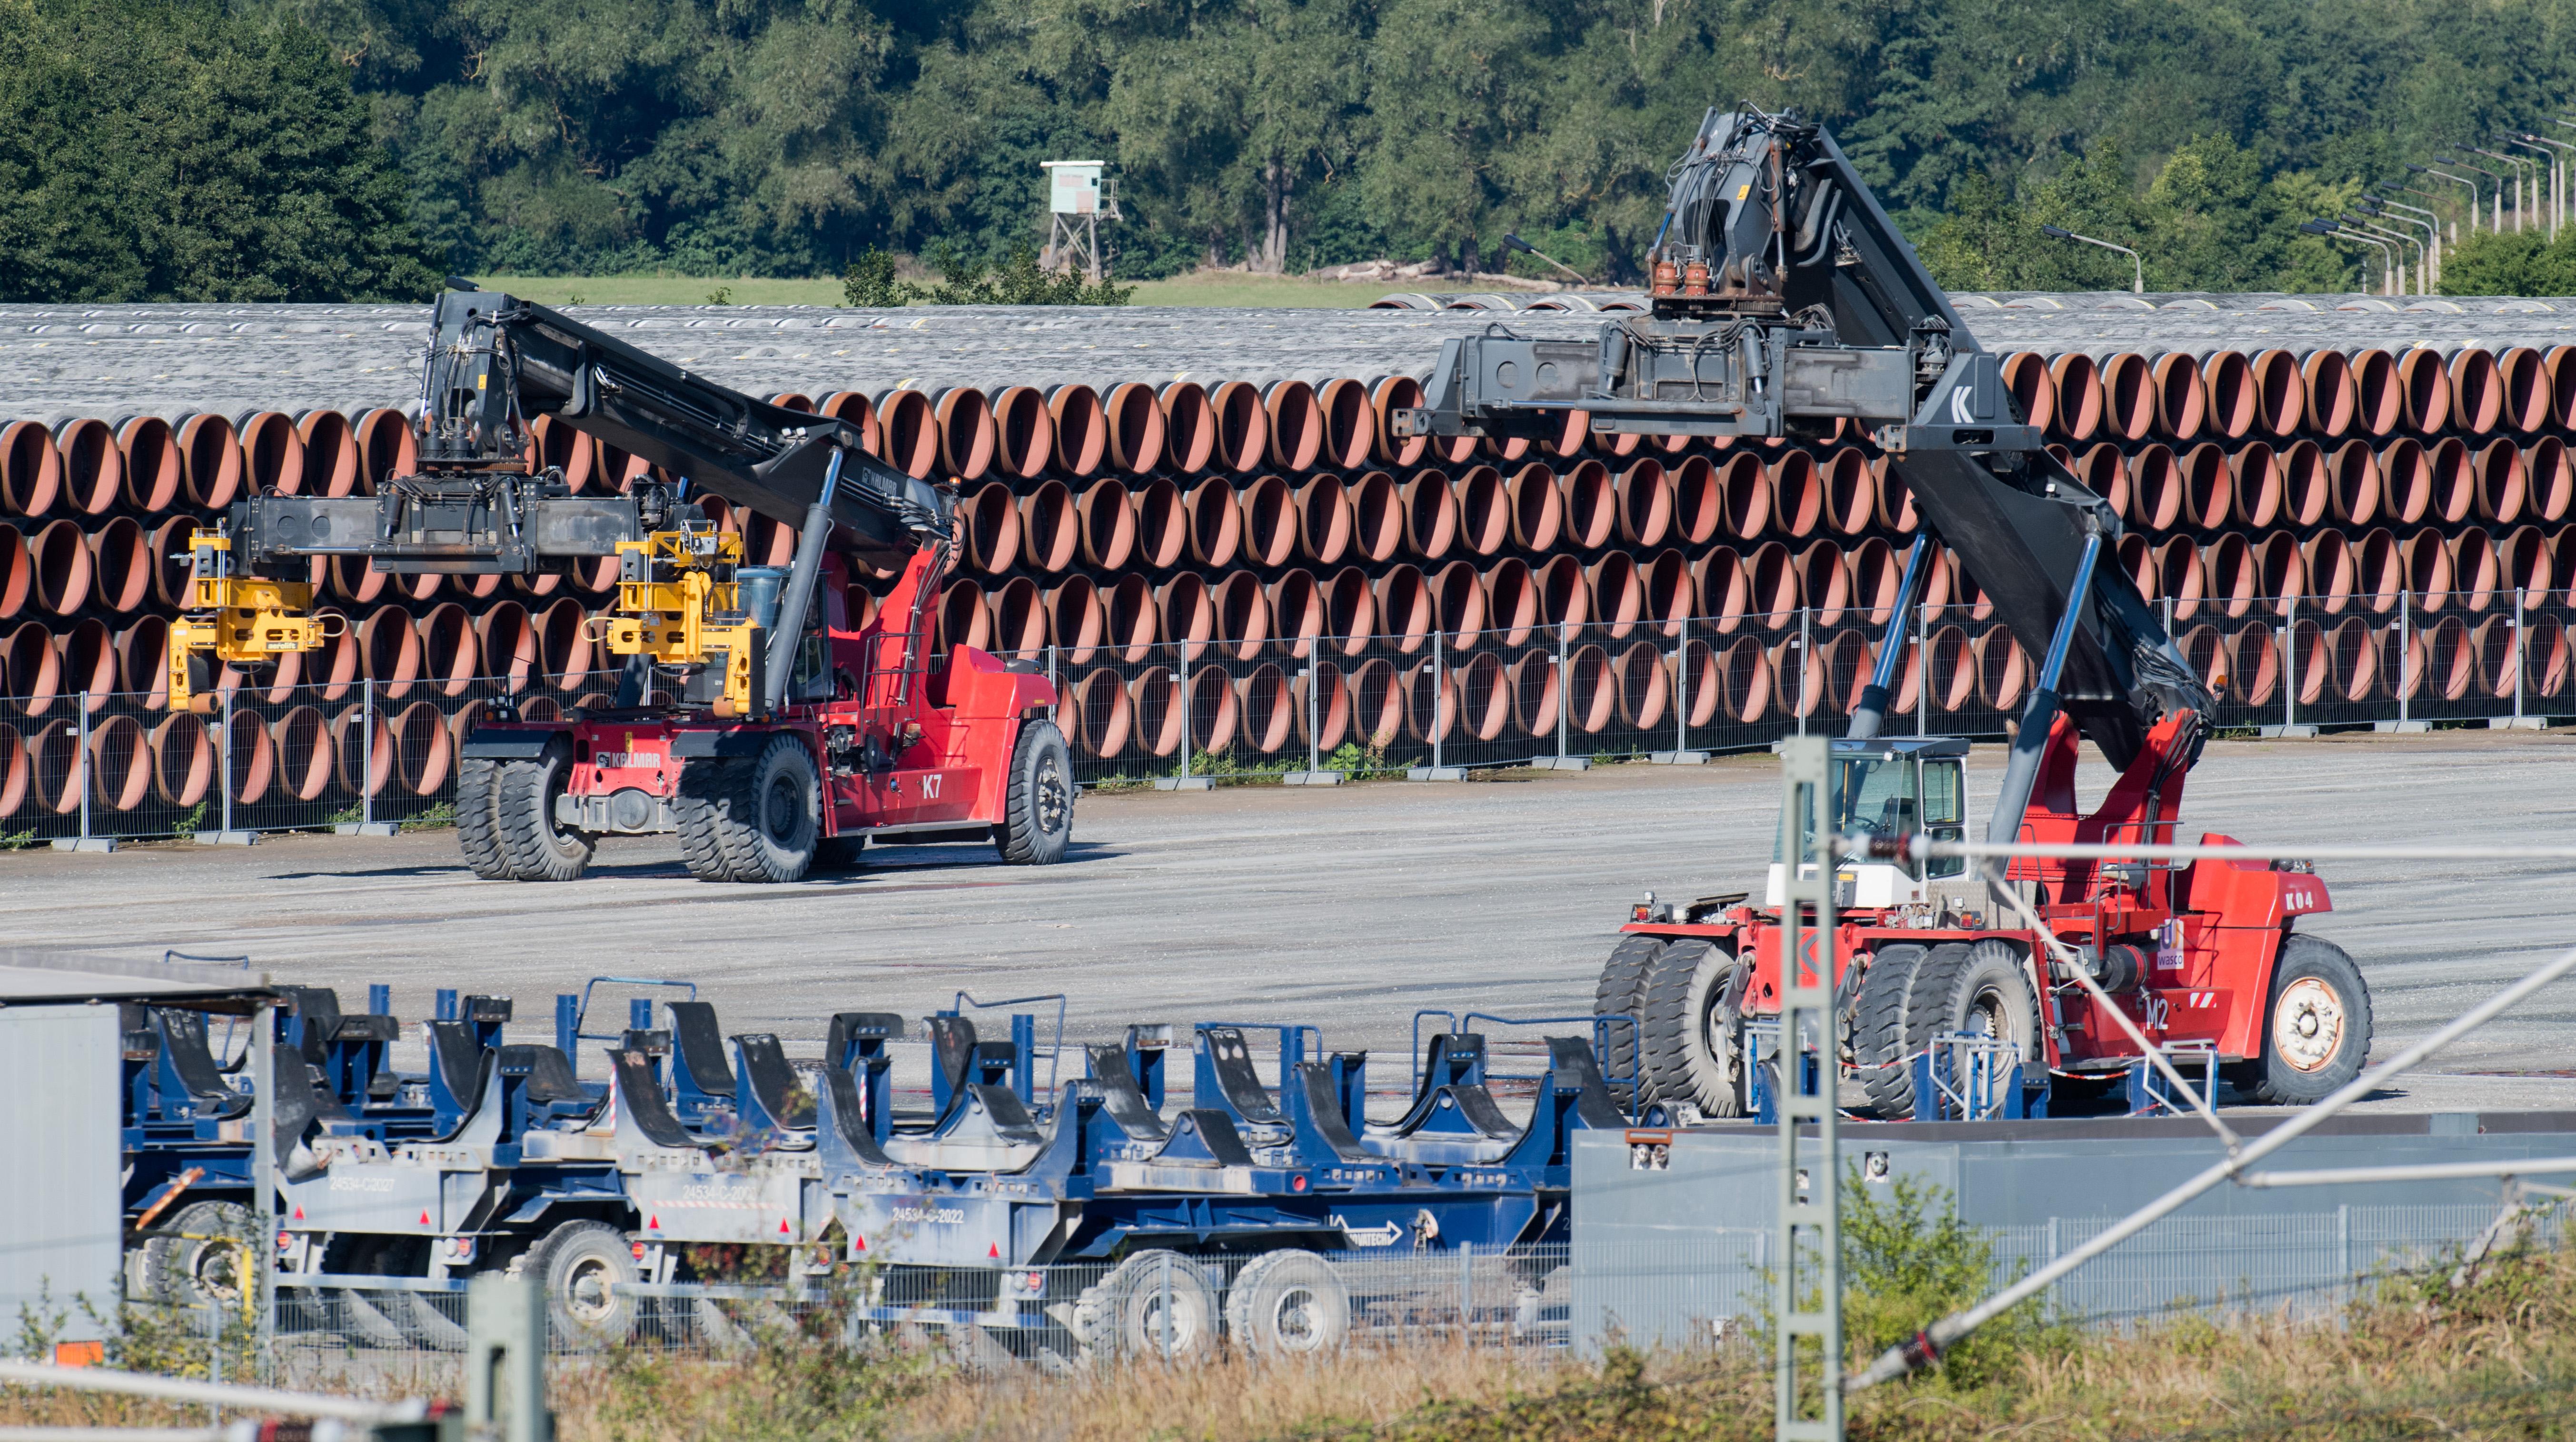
(753, 717)
(1786, 303)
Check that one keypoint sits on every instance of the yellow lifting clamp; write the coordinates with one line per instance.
(677, 602)
(239, 620)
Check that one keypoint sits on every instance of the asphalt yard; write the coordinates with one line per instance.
(1346, 909)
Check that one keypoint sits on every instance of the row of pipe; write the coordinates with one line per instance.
(204, 462)
(302, 746)
(1721, 590)
(300, 750)
(443, 651)
(1269, 521)
(1532, 697)
(446, 646)
(124, 567)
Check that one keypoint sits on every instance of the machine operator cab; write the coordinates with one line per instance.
(1890, 786)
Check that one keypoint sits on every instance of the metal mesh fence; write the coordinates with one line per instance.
(1531, 682)
(1692, 1287)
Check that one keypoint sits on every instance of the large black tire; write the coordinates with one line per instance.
(1122, 1313)
(202, 1268)
(575, 1263)
(536, 848)
(1037, 814)
(707, 788)
(1288, 1303)
(478, 817)
(1692, 1047)
(1620, 992)
(1881, 1031)
(1982, 989)
(2316, 1027)
(756, 820)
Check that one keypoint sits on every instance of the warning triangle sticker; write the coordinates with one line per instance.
(299, 1211)
(858, 1244)
(782, 1227)
(993, 1250)
(424, 1219)
(652, 1224)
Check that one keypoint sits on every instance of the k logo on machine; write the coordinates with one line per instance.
(1960, 401)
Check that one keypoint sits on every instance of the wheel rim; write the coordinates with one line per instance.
(586, 1296)
(1716, 1032)
(214, 1270)
(1986, 1016)
(1050, 802)
(2308, 1025)
(1293, 1320)
(778, 815)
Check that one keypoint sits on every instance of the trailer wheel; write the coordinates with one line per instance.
(1122, 1314)
(1983, 990)
(1288, 1303)
(1692, 1044)
(202, 1269)
(576, 1263)
(1037, 817)
(1881, 1034)
(478, 818)
(2316, 1028)
(1618, 993)
(524, 804)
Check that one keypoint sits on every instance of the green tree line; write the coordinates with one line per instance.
(791, 137)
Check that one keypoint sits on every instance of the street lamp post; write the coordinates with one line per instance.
(2332, 231)
(2515, 180)
(2457, 179)
(2557, 178)
(2450, 228)
(2138, 269)
(2402, 241)
(2432, 226)
(2498, 227)
(2427, 248)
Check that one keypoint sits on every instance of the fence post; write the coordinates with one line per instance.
(1681, 690)
(1923, 669)
(2289, 664)
(1799, 705)
(1564, 692)
(1314, 741)
(1165, 1272)
(2519, 656)
(81, 766)
(227, 754)
(1051, 682)
(1439, 693)
(2404, 654)
(1184, 781)
(1466, 1290)
(366, 754)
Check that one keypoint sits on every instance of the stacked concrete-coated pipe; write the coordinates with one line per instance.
(1210, 562)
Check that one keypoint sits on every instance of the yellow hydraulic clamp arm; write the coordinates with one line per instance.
(679, 602)
(237, 619)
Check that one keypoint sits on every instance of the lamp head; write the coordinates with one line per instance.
(1514, 242)
(2055, 232)
(2317, 227)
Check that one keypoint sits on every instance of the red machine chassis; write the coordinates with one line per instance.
(2209, 972)
(908, 742)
